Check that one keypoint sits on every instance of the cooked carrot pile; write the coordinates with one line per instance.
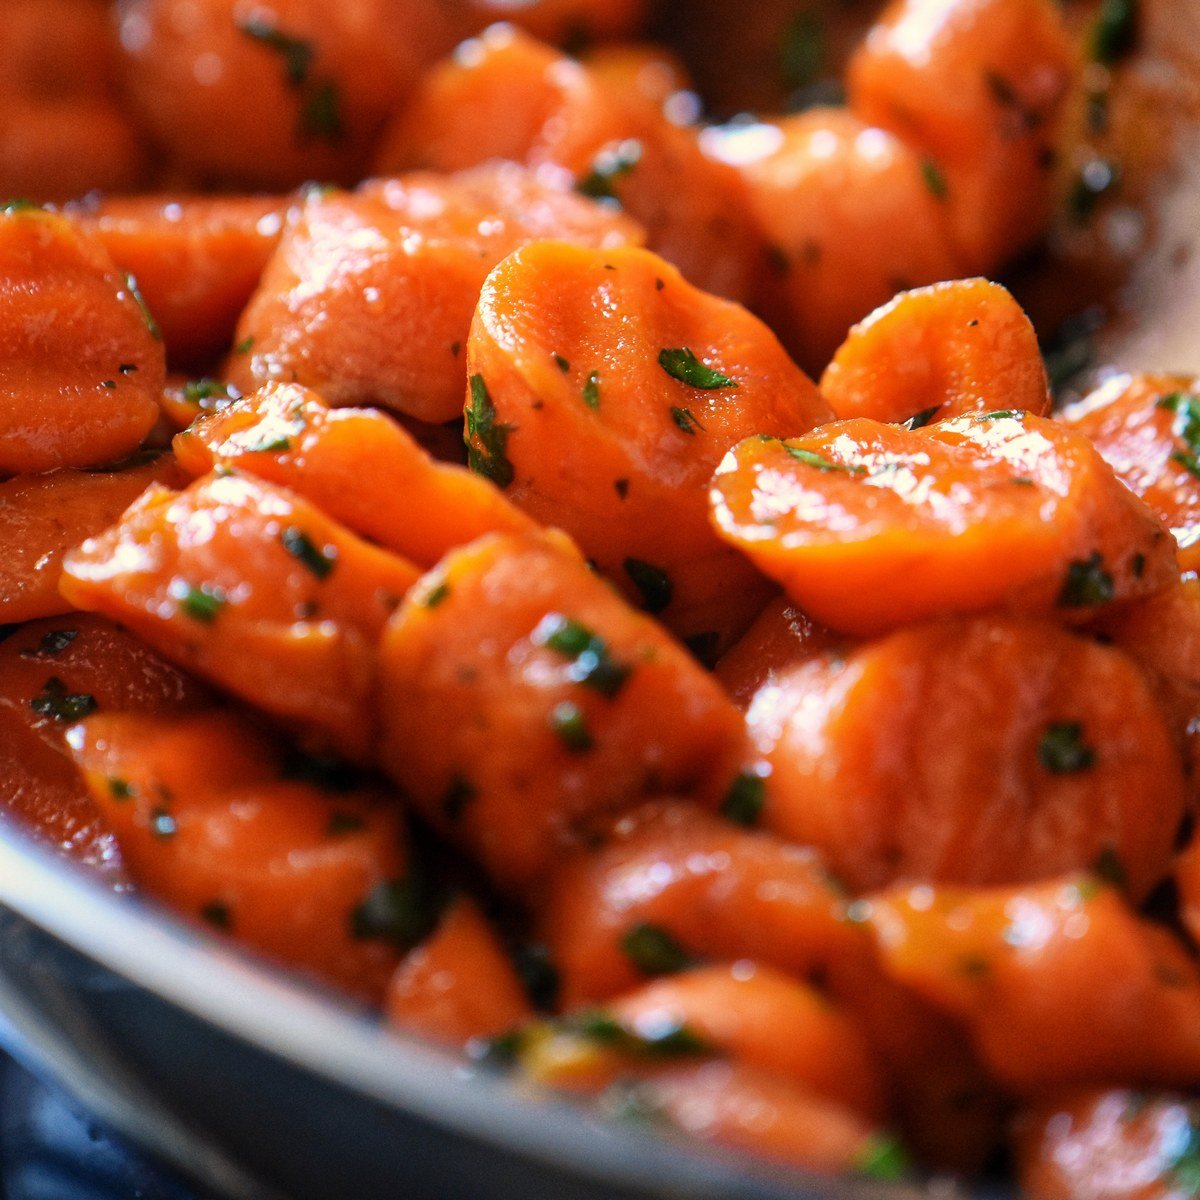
(613, 594)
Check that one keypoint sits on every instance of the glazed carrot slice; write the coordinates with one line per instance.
(713, 889)
(848, 219)
(197, 260)
(522, 699)
(1112, 1144)
(645, 68)
(868, 526)
(43, 516)
(357, 466)
(369, 297)
(1060, 984)
(978, 88)
(52, 673)
(563, 20)
(458, 984)
(507, 96)
(250, 586)
(184, 399)
(942, 351)
(80, 366)
(212, 820)
(56, 49)
(983, 751)
(1147, 428)
(604, 391)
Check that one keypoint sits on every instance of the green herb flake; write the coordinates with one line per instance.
(1114, 33)
(393, 911)
(883, 1157)
(201, 603)
(935, 181)
(1087, 584)
(18, 204)
(162, 824)
(610, 165)
(670, 1039)
(458, 795)
(654, 951)
(147, 317)
(52, 644)
(1109, 867)
(108, 383)
(321, 116)
(591, 391)
(653, 584)
(743, 803)
(921, 419)
(245, 345)
(296, 53)
(569, 724)
(486, 440)
(436, 595)
(120, 789)
(1062, 750)
(682, 364)
(685, 419)
(563, 365)
(55, 701)
(320, 560)
(218, 914)
(811, 459)
(802, 51)
(592, 663)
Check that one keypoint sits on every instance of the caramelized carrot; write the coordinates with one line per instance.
(56, 49)
(1060, 984)
(43, 516)
(943, 351)
(562, 20)
(1147, 428)
(249, 585)
(644, 68)
(458, 984)
(848, 219)
(80, 366)
(197, 260)
(356, 465)
(604, 390)
(977, 87)
(52, 673)
(982, 751)
(522, 699)
(369, 297)
(1112, 1144)
(211, 821)
(868, 526)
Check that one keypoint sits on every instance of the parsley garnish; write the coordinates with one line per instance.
(802, 51)
(935, 181)
(592, 663)
(654, 951)
(52, 644)
(563, 365)
(683, 365)
(652, 582)
(151, 324)
(685, 419)
(393, 910)
(670, 1040)
(436, 595)
(321, 115)
(201, 603)
(568, 722)
(1115, 31)
(55, 701)
(1109, 867)
(245, 345)
(120, 789)
(320, 560)
(591, 391)
(1186, 427)
(1087, 584)
(921, 419)
(609, 166)
(745, 799)
(296, 53)
(883, 1157)
(488, 458)
(1062, 750)
(811, 459)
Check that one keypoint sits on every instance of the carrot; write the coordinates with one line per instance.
(197, 260)
(43, 516)
(1147, 428)
(51, 673)
(508, 96)
(214, 821)
(250, 98)
(184, 399)
(1187, 878)
(247, 585)
(356, 465)
(645, 68)
(458, 984)
(868, 526)
(1110, 1144)
(982, 751)
(977, 87)
(56, 49)
(943, 351)
(848, 219)
(522, 700)
(1060, 984)
(566, 20)
(80, 368)
(604, 390)
(369, 297)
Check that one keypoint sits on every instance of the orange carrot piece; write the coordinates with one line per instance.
(210, 822)
(368, 299)
(248, 585)
(43, 516)
(357, 466)
(522, 699)
(943, 351)
(604, 391)
(645, 68)
(1060, 984)
(868, 526)
(1187, 877)
(984, 751)
(197, 260)
(458, 984)
(1147, 428)
(80, 368)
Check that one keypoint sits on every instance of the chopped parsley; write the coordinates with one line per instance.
(685, 419)
(296, 53)
(935, 181)
(608, 166)
(883, 1157)
(1062, 750)
(654, 951)
(245, 345)
(744, 801)
(592, 663)
(52, 644)
(1087, 584)
(320, 560)
(921, 419)
(801, 51)
(320, 111)
(487, 457)
(1114, 33)
(591, 391)
(394, 910)
(436, 595)
(670, 1039)
(570, 725)
(563, 364)
(811, 459)
(1186, 427)
(120, 789)
(682, 364)
(201, 603)
(55, 701)
(1109, 867)
(151, 324)
(321, 116)
(653, 584)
